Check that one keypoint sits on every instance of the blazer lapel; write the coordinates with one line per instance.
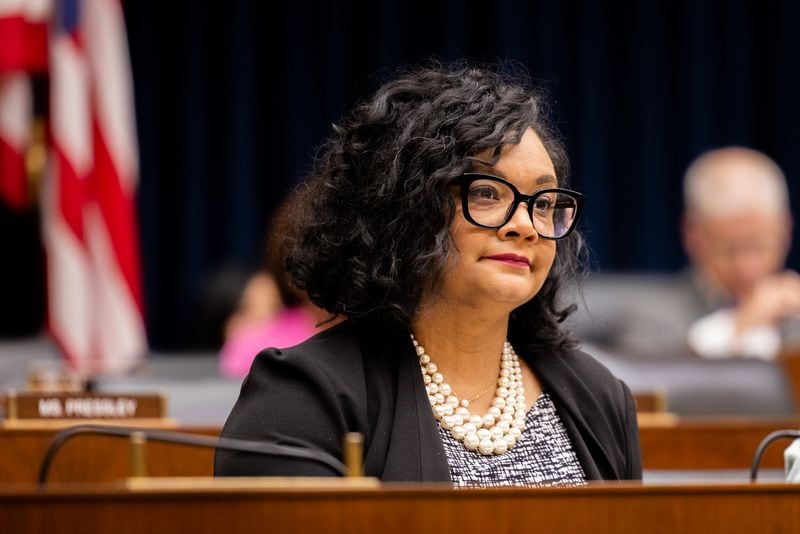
(413, 448)
(574, 399)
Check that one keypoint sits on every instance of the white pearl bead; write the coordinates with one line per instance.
(471, 441)
(486, 446)
(500, 446)
(500, 427)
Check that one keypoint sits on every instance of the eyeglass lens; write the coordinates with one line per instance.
(490, 203)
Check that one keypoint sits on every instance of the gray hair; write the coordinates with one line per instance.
(734, 180)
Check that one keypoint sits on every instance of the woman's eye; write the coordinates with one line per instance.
(484, 192)
(543, 203)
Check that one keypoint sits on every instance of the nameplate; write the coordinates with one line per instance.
(54, 406)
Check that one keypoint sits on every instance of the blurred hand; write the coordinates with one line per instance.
(772, 299)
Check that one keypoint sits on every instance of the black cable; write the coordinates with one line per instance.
(257, 447)
(766, 442)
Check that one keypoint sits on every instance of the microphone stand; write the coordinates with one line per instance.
(773, 436)
(353, 449)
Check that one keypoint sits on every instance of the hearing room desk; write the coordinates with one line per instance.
(667, 444)
(395, 509)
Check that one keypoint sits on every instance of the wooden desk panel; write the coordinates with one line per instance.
(94, 458)
(704, 443)
(701, 444)
(390, 510)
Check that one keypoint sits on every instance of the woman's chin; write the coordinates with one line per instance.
(512, 294)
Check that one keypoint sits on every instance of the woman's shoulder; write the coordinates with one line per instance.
(335, 350)
(578, 374)
(305, 395)
(587, 367)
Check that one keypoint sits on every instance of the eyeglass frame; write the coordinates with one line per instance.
(469, 177)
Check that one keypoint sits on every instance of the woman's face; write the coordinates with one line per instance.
(506, 266)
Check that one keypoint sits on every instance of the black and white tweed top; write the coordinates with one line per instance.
(543, 456)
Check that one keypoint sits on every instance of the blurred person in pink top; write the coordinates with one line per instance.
(242, 311)
(262, 320)
(270, 311)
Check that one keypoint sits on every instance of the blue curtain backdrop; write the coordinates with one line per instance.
(233, 98)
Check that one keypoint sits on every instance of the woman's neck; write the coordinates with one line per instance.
(465, 343)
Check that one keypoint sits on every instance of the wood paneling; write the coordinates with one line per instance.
(93, 458)
(667, 443)
(409, 509)
(710, 443)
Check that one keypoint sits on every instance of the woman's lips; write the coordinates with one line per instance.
(511, 259)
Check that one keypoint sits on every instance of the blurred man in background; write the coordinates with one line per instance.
(736, 298)
(737, 231)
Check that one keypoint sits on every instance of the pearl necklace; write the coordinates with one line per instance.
(496, 431)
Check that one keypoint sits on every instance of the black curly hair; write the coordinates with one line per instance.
(371, 234)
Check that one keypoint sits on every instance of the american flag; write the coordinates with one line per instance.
(95, 310)
(23, 51)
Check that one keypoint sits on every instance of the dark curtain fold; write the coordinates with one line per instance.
(234, 98)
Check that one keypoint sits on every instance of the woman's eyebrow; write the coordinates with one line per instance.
(487, 164)
(541, 180)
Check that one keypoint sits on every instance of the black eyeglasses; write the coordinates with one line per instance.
(490, 202)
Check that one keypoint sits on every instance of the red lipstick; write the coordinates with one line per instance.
(511, 259)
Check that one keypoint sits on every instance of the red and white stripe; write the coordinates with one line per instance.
(23, 34)
(91, 237)
(23, 30)
(16, 114)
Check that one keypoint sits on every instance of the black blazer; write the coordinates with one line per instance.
(351, 379)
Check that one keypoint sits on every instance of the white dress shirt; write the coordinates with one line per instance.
(715, 336)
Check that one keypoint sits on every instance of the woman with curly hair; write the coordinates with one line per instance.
(437, 223)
